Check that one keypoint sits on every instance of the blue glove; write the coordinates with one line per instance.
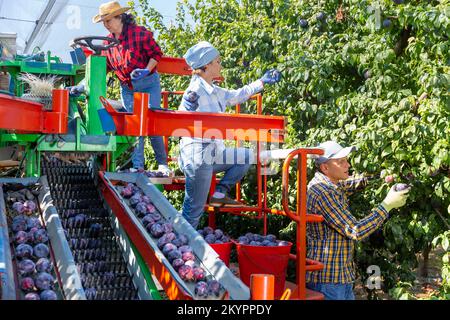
(138, 74)
(271, 76)
(75, 91)
(190, 100)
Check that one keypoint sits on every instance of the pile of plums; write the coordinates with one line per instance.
(174, 246)
(259, 240)
(212, 236)
(150, 174)
(30, 242)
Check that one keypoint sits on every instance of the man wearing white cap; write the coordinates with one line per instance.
(201, 157)
(332, 241)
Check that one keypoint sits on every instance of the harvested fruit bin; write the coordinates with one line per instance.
(265, 260)
(120, 191)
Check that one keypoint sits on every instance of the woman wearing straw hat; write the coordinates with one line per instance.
(134, 62)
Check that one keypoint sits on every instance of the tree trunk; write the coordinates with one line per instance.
(423, 265)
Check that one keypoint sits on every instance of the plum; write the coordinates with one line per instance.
(33, 223)
(401, 186)
(186, 256)
(156, 230)
(201, 289)
(387, 23)
(156, 216)
(171, 236)
(24, 251)
(184, 239)
(271, 238)
(282, 243)
(225, 239)
(26, 267)
(151, 208)
(210, 238)
(186, 273)
(29, 207)
(208, 230)
(320, 16)
(41, 251)
(258, 238)
(243, 240)
(134, 201)
(146, 199)
(184, 249)
(27, 284)
(174, 254)
(18, 207)
(199, 273)
(141, 209)
(44, 281)
(48, 295)
(177, 242)
(249, 235)
(167, 227)
(127, 192)
(255, 243)
(30, 234)
(20, 237)
(177, 263)
(266, 243)
(163, 241)
(200, 232)
(19, 225)
(218, 233)
(32, 296)
(40, 236)
(168, 247)
(214, 287)
(44, 265)
(303, 23)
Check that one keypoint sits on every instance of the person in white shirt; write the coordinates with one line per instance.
(201, 157)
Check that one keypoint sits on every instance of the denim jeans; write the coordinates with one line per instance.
(199, 161)
(152, 86)
(333, 291)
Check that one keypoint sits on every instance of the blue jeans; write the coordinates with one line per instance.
(199, 161)
(152, 86)
(333, 291)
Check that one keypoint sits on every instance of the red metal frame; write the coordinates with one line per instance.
(26, 116)
(157, 268)
(300, 217)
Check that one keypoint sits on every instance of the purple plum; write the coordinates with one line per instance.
(26, 267)
(20, 237)
(271, 238)
(141, 209)
(44, 265)
(187, 256)
(32, 296)
(151, 208)
(157, 230)
(174, 254)
(48, 295)
(214, 287)
(218, 233)
(401, 186)
(33, 223)
(40, 236)
(44, 281)
(201, 289)
(167, 227)
(29, 207)
(19, 225)
(186, 273)
(184, 249)
(208, 230)
(24, 251)
(177, 263)
(168, 247)
(27, 284)
(41, 251)
(199, 273)
(18, 207)
(243, 240)
(148, 219)
(210, 238)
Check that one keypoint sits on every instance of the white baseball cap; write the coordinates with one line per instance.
(333, 150)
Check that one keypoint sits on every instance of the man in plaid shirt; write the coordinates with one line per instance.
(332, 241)
(134, 62)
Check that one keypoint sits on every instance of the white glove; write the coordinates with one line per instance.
(395, 199)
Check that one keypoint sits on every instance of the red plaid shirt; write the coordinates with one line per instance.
(136, 48)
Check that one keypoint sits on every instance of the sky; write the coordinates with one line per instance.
(71, 19)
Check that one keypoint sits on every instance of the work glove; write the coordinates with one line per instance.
(395, 199)
(271, 76)
(138, 74)
(75, 91)
(190, 100)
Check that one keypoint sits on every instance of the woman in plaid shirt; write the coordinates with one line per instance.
(134, 62)
(332, 241)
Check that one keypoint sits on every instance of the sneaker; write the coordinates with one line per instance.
(164, 169)
(225, 201)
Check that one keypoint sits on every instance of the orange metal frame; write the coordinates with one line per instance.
(26, 116)
(301, 217)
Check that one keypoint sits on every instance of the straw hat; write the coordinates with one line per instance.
(109, 10)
